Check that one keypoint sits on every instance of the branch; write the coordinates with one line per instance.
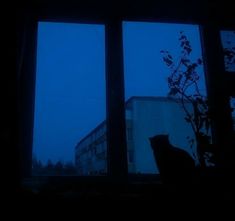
(180, 63)
(187, 112)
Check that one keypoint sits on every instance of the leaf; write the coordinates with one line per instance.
(167, 61)
(199, 100)
(170, 57)
(187, 119)
(169, 79)
(187, 43)
(185, 62)
(199, 61)
(173, 91)
(188, 49)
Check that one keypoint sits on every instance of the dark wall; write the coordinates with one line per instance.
(216, 11)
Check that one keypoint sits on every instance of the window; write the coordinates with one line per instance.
(232, 104)
(152, 51)
(228, 43)
(70, 98)
(166, 121)
(131, 156)
(129, 134)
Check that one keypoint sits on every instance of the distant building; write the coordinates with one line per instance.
(91, 152)
(145, 117)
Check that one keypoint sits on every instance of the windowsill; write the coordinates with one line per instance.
(136, 187)
(77, 186)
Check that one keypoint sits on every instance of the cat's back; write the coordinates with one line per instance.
(180, 157)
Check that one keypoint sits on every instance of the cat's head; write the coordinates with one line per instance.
(159, 140)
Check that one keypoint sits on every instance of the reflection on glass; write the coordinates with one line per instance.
(70, 108)
(228, 43)
(164, 91)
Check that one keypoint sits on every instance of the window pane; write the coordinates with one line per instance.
(228, 43)
(164, 76)
(232, 104)
(70, 100)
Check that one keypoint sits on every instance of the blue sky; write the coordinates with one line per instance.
(145, 72)
(70, 87)
(70, 77)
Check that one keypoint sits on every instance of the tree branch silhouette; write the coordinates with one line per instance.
(185, 76)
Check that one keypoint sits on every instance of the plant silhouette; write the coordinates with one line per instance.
(183, 83)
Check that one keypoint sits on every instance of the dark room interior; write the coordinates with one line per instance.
(212, 17)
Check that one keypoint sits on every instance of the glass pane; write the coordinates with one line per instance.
(70, 102)
(232, 104)
(228, 43)
(165, 94)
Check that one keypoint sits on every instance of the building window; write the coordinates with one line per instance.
(129, 134)
(152, 51)
(70, 85)
(131, 156)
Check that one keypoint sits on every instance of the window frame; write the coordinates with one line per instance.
(115, 102)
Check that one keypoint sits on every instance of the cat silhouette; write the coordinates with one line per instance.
(175, 165)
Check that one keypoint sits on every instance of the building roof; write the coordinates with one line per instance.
(91, 132)
(151, 98)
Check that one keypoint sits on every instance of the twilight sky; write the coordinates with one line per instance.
(70, 77)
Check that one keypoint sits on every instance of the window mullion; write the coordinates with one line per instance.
(116, 136)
